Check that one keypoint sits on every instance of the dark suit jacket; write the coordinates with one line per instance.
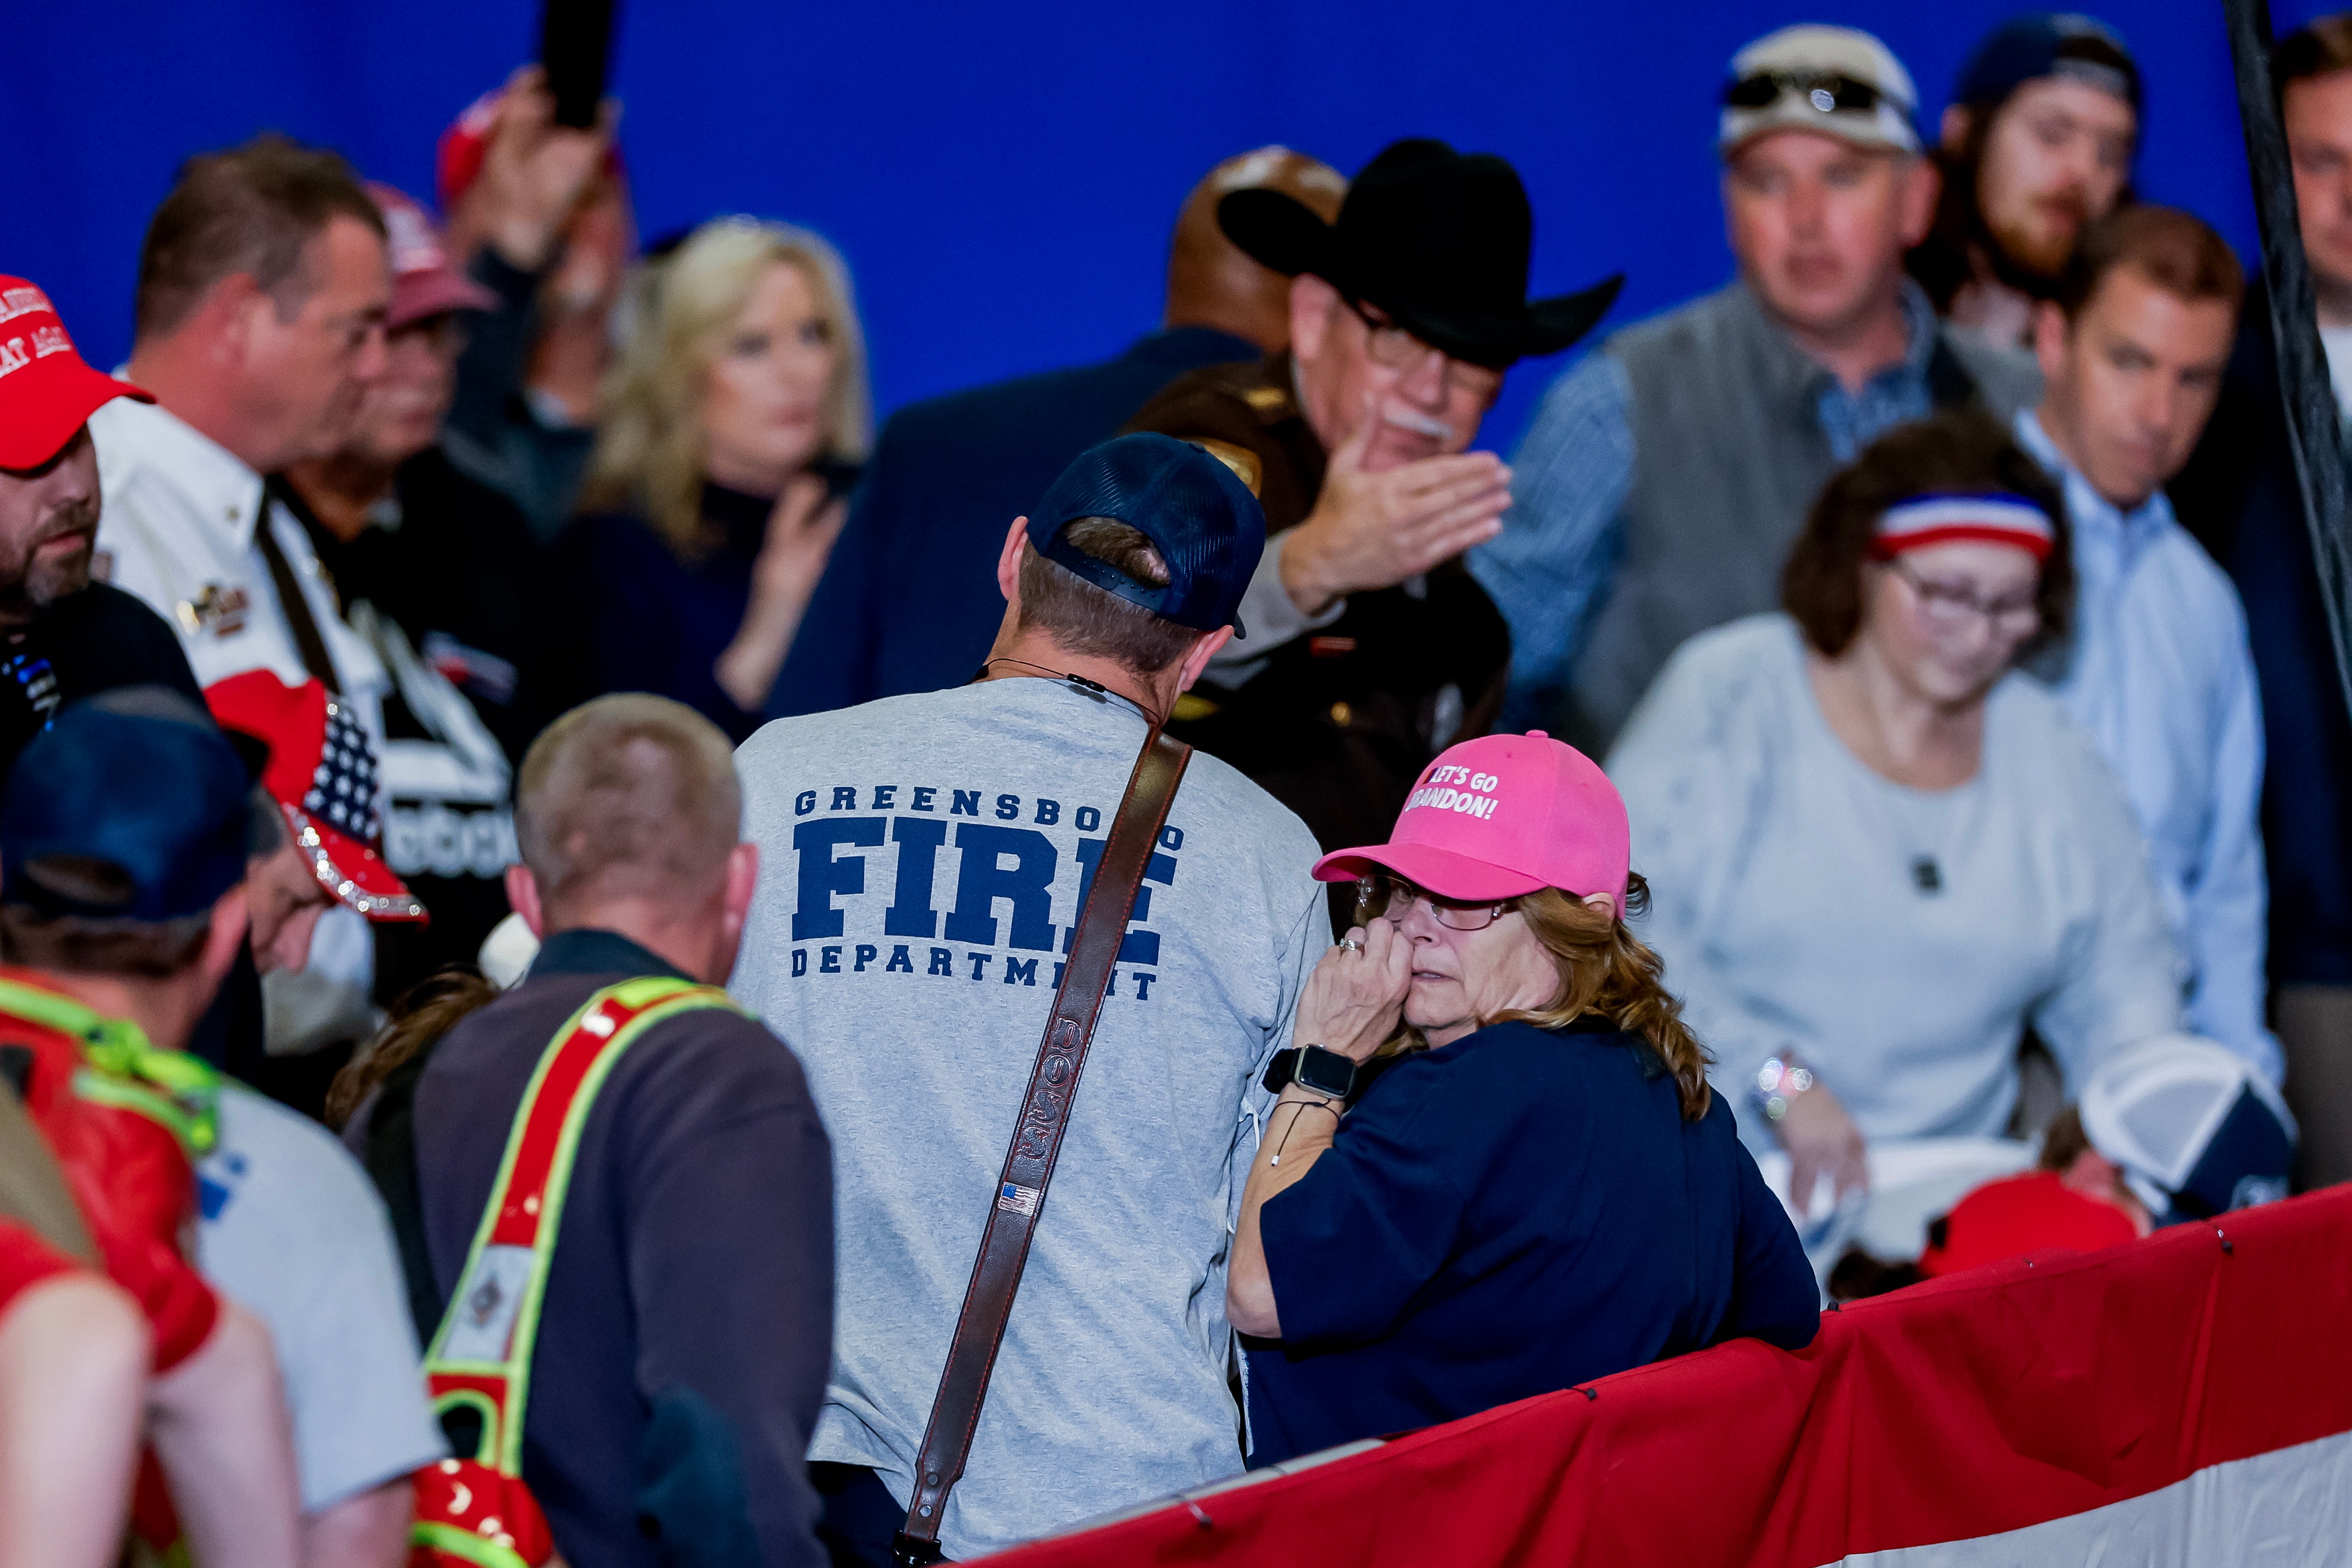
(2239, 497)
(908, 602)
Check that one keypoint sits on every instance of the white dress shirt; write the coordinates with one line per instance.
(177, 531)
(2161, 677)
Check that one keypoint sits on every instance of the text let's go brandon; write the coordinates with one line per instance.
(956, 884)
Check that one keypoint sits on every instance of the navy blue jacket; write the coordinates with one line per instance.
(908, 602)
(629, 614)
(687, 1327)
(2239, 497)
(1511, 1214)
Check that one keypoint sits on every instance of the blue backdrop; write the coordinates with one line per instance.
(1002, 178)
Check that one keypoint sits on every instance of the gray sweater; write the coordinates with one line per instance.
(921, 860)
(1787, 905)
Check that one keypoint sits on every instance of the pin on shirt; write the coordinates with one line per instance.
(218, 609)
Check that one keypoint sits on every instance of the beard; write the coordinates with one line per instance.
(33, 581)
(2025, 254)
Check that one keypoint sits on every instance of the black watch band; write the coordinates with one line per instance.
(1325, 1072)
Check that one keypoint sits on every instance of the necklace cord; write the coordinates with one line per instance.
(1092, 688)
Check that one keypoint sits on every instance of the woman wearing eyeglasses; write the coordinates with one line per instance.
(1497, 1169)
(1882, 851)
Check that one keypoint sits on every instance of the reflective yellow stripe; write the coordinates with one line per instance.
(173, 1088)
(655, 998)
(464, 1545)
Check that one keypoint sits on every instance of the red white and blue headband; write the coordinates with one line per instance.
(1952, 519)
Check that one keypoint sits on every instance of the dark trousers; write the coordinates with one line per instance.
(859, 1516)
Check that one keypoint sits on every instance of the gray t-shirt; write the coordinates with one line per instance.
(921, 860)
(292, 1230)
(1900, 939)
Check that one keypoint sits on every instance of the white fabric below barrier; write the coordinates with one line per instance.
(2288, 1508)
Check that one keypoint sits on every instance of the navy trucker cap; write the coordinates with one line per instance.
(1201, 519)
(134, 816)
(2049, 43)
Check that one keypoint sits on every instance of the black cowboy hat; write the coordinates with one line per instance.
(1436, 239)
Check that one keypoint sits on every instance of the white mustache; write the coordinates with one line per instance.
(1414, 420)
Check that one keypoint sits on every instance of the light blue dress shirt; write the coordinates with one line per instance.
(1552, 566)
(2161, 677)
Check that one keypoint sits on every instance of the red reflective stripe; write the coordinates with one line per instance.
(518, 1222)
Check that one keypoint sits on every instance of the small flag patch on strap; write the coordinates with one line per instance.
(1017, 1200)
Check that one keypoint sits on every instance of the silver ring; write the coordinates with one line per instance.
(1352, 944)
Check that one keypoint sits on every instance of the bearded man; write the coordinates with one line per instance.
(2037, 145)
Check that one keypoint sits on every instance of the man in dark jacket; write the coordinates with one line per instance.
(1367, 649)
(686, 1328)
(2239, 495)
(948, 475)
(62, 636)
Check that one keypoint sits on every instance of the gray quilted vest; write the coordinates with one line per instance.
(1728, 457)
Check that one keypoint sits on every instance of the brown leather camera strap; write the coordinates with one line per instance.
(1019, 1199)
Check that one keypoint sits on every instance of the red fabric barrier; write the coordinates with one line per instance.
(2004, 1397)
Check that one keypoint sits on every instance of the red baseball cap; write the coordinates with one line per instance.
(47, 393)
(425, 280)
(457, 160)
(1502, 816)
(2019, 1215)
(322, 774)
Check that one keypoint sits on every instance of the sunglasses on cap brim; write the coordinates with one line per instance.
(1827, 91)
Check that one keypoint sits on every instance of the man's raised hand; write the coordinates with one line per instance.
(1375, 529)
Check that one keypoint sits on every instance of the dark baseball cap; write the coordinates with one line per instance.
(2048, 43)
(123, 810)
(1201, 519)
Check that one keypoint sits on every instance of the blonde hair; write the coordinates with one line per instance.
(1606, 969)
(650, 452)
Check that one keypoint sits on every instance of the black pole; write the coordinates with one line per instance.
(2312, 421)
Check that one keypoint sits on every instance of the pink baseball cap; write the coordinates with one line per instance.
(1503, 815)
(426, 279)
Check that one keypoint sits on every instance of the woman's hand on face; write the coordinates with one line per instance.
(1351, 1002)
(1821, 1140)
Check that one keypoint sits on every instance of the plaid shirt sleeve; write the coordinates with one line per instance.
(1552, 563)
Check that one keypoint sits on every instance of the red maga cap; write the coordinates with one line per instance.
(457, 160)
(47, 393)
(322, 774)
(426, 279)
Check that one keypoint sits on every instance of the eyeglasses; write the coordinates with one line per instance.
(1383, 895)
(1390, 347)
(1956, 606)
(1825, 90)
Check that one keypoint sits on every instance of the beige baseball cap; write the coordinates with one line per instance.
(1840, 81)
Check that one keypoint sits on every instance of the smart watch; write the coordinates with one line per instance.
(1325, 1072)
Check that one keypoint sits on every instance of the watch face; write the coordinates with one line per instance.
(1326, 1072)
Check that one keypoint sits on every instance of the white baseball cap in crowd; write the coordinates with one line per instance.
(1840, 81)
(2196, 1130)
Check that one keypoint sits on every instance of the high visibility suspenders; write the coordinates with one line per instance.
(121, 1069)
(480, 1356)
